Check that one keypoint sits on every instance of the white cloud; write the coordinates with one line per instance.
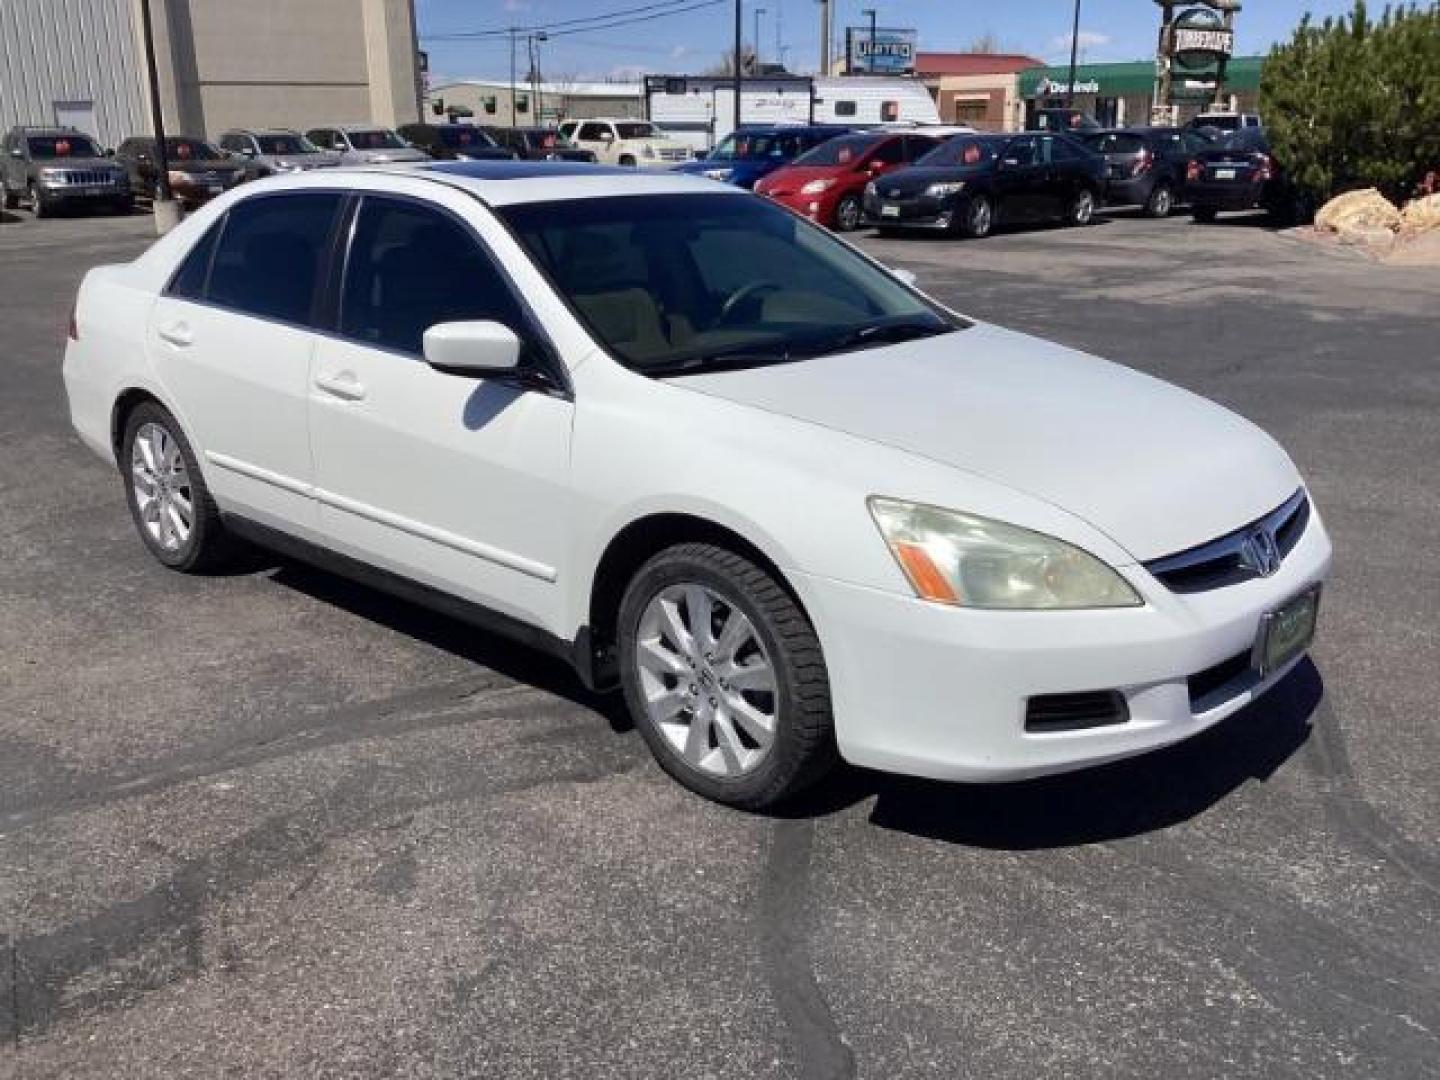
(679, 51)
(516, 5)
(1087, 39)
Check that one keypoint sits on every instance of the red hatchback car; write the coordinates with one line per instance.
(827, 184)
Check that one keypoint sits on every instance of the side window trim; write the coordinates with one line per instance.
(217, 231)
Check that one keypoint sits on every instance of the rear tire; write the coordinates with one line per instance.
(1161, 201)
(162, 478)
(1205, 215)
(627, 161)
(1081, 211)
(848, 214)
(703, 677)
(11, 200)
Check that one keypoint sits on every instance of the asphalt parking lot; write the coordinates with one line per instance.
(272, 823)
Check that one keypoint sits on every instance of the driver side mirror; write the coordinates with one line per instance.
(480, 348)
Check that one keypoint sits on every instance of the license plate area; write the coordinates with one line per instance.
(1286, 632)
(889, 210)
(1224, 174)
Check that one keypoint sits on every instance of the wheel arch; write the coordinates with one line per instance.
(631, 547)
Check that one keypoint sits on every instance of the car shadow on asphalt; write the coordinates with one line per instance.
(1019, 228)
(1127, 798)
(520, 663)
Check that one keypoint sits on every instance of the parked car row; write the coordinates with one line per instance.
(47, 168)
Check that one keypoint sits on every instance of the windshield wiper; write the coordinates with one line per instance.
(735, 358)
(880, 333)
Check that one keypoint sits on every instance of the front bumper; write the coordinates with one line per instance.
(942, 692)
(62, 193)
(818, 208)
(915, 212)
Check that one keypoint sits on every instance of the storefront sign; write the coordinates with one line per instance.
(889, 52)
(1199, 38)
(1057, 88)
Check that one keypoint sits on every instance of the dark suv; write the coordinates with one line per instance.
(50, 167)
(452, 142)
(197, 171)
(1145, 166)
(538, 144)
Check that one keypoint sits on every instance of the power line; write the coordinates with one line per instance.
(603, 21)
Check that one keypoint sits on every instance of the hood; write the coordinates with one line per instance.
(916, 178)
(1154, 467)
(78, 163)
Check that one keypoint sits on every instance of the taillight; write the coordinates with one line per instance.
(73, 331)
(1264, 172)
(1193, 171)
(1142, 163)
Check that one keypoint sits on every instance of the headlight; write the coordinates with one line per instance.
(969, 561)
(946, 188)
(870, 190)
(51, 174)
(815, 187)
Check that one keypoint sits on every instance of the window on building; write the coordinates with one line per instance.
(412, 267)
(845, 108)
(973, 113)
(271, 254)
(522, 102)
(489, 104)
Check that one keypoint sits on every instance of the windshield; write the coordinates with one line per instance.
(286, 145)
(679, 283)
(43, 147)
(457, 137)
(379, 139)
(639, 131)
(190, 150)
(961, 150)
(846, 150)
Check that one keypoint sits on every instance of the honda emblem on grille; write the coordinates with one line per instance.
(1260, 552)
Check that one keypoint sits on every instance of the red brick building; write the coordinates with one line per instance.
(979, 89)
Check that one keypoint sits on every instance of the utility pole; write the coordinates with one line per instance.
(512, 76)
(167, 214)
(870, 62)
(757, 13)
(825, 35)
(1074, 56)
(739, 59)
(539, 105)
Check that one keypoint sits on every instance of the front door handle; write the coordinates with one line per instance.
(343, 385)
(177, 333)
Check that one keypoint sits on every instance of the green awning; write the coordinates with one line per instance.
(1117, 80)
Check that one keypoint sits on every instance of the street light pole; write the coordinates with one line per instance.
(1074, 55)
(739, 59)
(870, 63)
(167, 214)
(757, 13)
(539, 104)
(512, 76)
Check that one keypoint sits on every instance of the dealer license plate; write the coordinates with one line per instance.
(1224, 174)
(1287, 632)
(889, 211)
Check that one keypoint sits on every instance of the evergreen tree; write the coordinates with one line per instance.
(1355, 101)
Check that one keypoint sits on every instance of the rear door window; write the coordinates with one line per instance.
(272, 254)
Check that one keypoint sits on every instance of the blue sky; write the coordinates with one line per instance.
(691, 41)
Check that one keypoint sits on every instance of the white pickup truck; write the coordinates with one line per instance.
(626, 142)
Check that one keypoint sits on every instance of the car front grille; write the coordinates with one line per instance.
(1231, 558)
(85, 177)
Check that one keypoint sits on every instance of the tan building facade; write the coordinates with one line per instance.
(979, 89)
(221, 64)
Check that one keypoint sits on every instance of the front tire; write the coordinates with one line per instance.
(11, 199)
(979, 220)
(38, 206)
(848, 214)
(169, 502)
(724, 676)
(627, 161)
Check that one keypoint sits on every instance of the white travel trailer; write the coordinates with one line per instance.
(700, 110)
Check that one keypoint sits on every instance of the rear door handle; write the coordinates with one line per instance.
(177, 333)
(344, 385)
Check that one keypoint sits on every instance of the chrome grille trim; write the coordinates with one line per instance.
(89, 177)
(1223, 562)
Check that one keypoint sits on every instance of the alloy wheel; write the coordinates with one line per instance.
(847, 214)
(1083, 209)
(707, 680)
(164, 498)
(981, 217)
(1161, 201)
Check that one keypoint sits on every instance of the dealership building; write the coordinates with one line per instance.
(221, 64)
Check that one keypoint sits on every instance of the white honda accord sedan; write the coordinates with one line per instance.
(709, 454)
